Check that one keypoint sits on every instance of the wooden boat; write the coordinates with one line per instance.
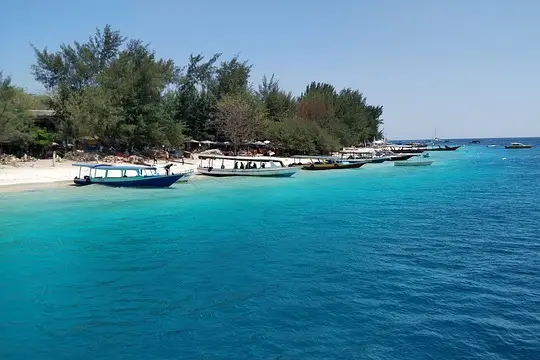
(417, 144)
(516, 145)
(406, 150)
(245, 166)
(413, 163)
(330, 163)
(444, 148)
(333, 166)
(369, 157)
(126, 176)
(400, 157)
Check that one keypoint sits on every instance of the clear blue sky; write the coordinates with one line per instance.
(466, 68)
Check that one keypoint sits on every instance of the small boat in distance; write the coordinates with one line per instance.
(475, 142)
(413, 163)
(127, 176)
(517, 145)
(245, 166)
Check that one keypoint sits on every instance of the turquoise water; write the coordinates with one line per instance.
(380, 262)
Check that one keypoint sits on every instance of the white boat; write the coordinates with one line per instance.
(516, 145)
(244, 166)
(413, 163)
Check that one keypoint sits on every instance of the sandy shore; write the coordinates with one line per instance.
(41, 174)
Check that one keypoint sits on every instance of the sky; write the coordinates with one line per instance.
(460, 68)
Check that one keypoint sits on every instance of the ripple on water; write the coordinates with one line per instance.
(379, 263)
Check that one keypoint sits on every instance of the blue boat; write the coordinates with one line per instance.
(127, 176)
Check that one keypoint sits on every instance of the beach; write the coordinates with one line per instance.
(41, 174)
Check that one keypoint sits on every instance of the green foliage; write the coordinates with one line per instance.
(118, 91)
(279, 104)
(196, 98)
(111, 93)
(41, 138)
(300, 136)
(15, 120)
(232, 77)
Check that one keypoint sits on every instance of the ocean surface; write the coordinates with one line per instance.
(381, 262)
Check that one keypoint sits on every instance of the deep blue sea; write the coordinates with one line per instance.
(381, 262)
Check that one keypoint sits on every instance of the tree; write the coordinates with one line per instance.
(112, 93)
(135, 82)
(195, 98)
(240, 117)
(232, 77)
(15, 120)
(279, 104)
(117, 90)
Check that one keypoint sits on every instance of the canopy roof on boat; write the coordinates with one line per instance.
(115, 167)
(239, 158)
(319, 157)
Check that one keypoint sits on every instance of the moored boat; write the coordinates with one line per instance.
(408, 150)
(401, 157)
(330, 163)
(517, 145)
(245, 166)
(444, 148)
(126, 176)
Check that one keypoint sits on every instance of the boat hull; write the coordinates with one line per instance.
(518, 147)
(445, 148)
(400, 157)
(160, 181)
(413, 163)
(260, 172)
(408, 151)
(338, 166)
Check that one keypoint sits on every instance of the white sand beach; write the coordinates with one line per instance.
(41, 174)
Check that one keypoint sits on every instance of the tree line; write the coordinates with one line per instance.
(117, 90)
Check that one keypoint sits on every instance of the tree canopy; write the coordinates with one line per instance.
(119, 91)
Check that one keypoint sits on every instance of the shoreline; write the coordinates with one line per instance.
(35, 186)
(41, 175)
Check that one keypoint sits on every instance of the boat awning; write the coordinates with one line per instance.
(320, 157)
(115, 167)
(238, 158)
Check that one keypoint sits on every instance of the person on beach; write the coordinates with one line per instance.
(155, 159)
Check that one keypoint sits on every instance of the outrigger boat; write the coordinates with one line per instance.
(127, 176)
(245, 166)
(407, 150)
(401, 157)
(444, 148)
(376, 157)
(329, 163)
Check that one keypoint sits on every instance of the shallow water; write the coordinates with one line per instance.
(380, 262)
